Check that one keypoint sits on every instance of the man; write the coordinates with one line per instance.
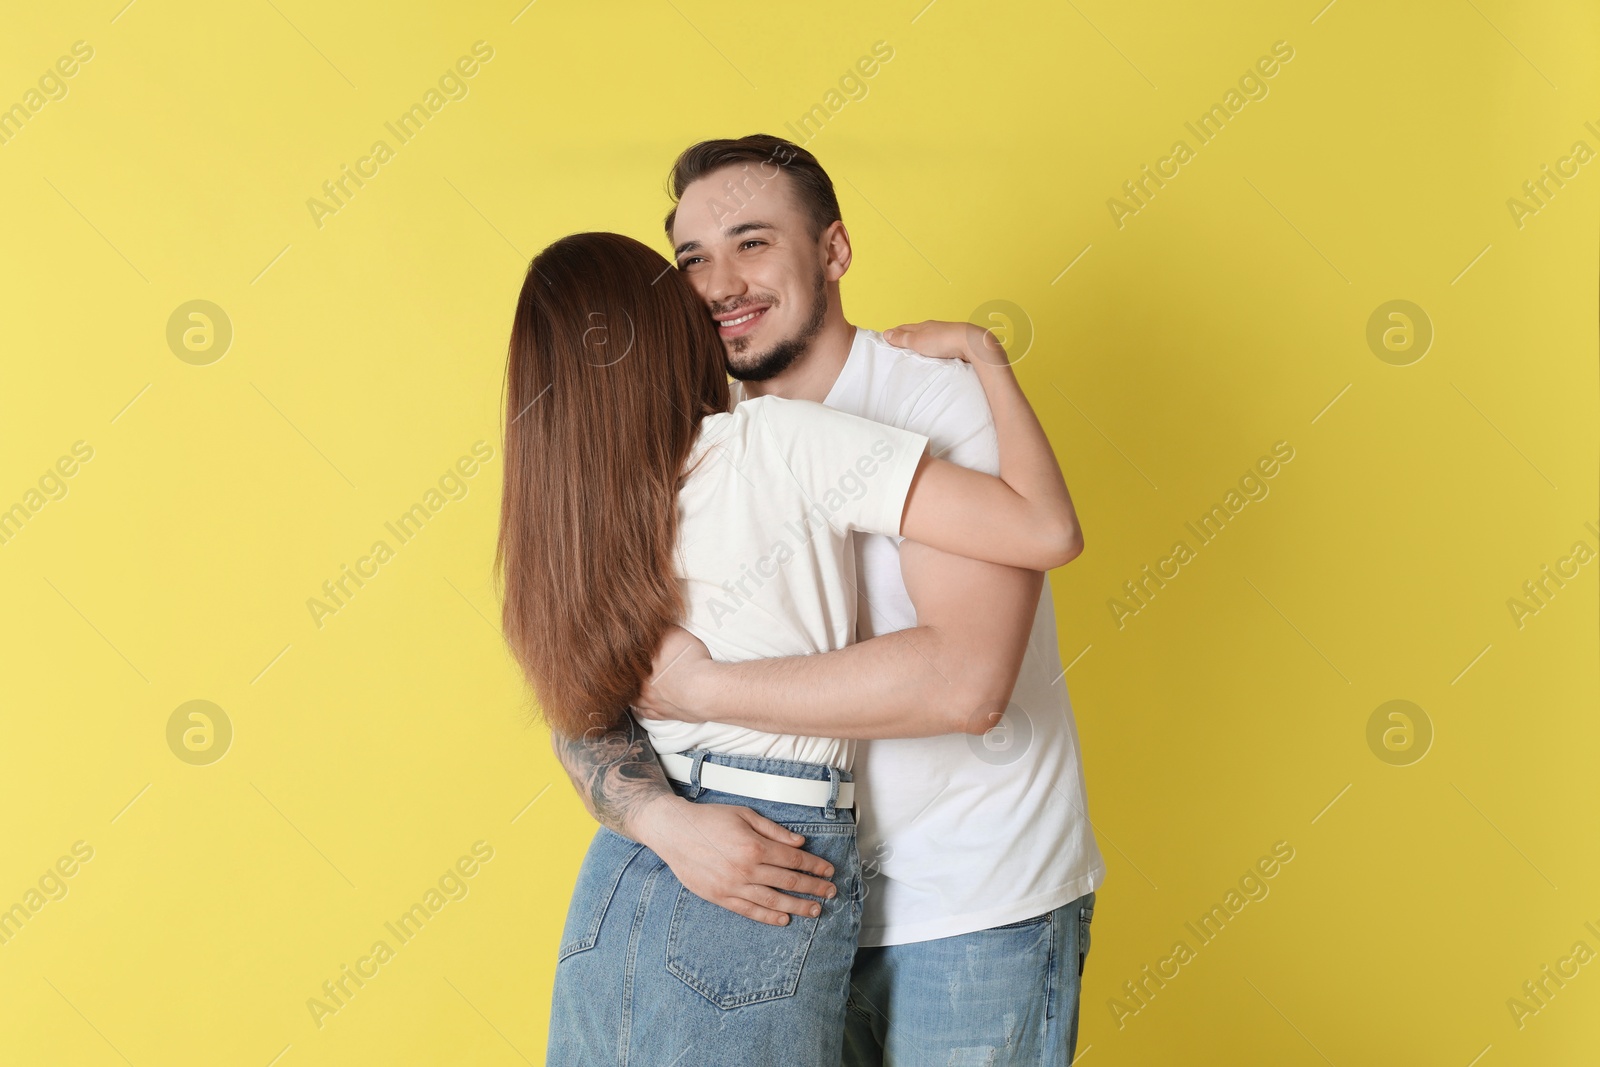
(971, 806)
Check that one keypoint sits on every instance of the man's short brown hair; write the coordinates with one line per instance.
(812, 186)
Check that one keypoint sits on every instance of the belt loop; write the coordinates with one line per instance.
(829, 811)
(695, 788)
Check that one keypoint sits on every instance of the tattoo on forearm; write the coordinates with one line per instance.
(615, 772)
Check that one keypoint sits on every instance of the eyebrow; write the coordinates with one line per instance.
(736, 230)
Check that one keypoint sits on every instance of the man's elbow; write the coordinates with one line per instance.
(980, 699)
(983, 719)
(978, 717)
(1059, 544)
(1074, 544)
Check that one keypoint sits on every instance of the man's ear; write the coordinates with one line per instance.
(835, 251)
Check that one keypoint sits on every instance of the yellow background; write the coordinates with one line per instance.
(371, 752)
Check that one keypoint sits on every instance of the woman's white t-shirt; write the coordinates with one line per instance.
(764, 551)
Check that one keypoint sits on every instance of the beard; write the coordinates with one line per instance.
(782, 355)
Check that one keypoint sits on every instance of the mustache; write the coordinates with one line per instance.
(749, 301)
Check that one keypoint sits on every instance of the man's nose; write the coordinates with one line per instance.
(722, 283)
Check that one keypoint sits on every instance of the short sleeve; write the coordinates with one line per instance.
(857, 470)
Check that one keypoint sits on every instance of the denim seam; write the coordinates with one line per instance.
(1085, 918)
(1057, 930)
(626, 1029)
(587, 941)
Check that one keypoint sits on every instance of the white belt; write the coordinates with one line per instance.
(807, 792)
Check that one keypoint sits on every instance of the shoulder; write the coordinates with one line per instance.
(809, 434)
(942, 399)
(771, 418)
(761, 431)
(751, 424)
(909, 366)
(912, 386)
(745, 413)
(766, 408)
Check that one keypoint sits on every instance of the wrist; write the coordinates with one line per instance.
(983, 348)
(645, 823)
(696, 689)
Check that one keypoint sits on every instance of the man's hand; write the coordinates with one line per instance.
(733, 857)
(679, 662)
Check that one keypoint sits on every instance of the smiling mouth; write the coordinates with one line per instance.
(740, 324)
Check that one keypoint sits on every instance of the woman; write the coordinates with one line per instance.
(635, 500)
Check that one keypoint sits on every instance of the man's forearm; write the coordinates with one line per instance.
(904, 684)
(953, 673)
(615, 773)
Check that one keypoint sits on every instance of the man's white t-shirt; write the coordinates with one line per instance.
(964, 833)
(764, 554)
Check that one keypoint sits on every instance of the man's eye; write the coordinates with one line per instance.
(685, 263)
(752, 241)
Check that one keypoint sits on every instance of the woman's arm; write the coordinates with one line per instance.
(1023, 518)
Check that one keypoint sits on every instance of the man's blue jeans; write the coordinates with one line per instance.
(1004, 997)
(650, 975)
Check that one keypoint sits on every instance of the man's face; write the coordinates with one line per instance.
(745, 244)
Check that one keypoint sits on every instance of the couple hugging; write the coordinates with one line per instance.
(774, 626)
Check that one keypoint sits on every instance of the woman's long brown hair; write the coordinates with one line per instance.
(612, 364)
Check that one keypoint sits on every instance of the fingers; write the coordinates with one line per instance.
(778, 902)
(901, 336)
(795, 882)
(771, 830)
(752, 911)
(785, 853)
(766, 905)
(796, 859)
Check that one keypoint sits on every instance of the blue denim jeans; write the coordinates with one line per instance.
(1003, 997)
(650, 975)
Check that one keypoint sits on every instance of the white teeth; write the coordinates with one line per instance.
(742, 318)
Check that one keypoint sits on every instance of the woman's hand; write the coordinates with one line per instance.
(948, 340)
(668, 692)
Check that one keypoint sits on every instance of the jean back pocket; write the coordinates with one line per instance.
(603, 867)
(731, 960)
